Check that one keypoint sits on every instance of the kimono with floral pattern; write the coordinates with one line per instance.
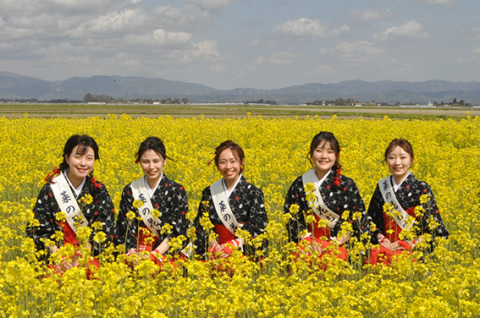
(170, 199)
(101, 209)
(247, 204)
(408, 196)
(345, 197)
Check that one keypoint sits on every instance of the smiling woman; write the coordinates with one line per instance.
(317, 201)
(414, 201)
(161, 205)
(57, 209)
(231, 205)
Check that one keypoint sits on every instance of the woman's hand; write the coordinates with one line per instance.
(397, 247)
(385, 242)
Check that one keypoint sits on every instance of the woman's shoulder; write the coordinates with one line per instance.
(298, 181)
(248, 185)
(412, 181)
(169, 183)
(347, 180)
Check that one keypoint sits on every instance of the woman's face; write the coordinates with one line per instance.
(80, 165)
(399, 161)
(152, 164)
(323, 158)
(229, 165)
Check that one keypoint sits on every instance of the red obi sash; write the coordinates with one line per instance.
(224, 235)
(143, 235)
(69, 236)
(319, 232)
(390, 224)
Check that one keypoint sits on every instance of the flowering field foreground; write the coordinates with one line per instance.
(444, 284)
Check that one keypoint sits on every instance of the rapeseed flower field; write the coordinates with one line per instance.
(445, 283)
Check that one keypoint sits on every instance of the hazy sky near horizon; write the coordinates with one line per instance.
(228, 44)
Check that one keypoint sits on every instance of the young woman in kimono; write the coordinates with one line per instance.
(160, 202)
(83, 200)
(230, 204)
(405, 193)
(323, 193)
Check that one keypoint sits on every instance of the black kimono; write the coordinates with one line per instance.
(170, 199)
(346, 196)
(101, 209)
(408, 196)
(247, 204)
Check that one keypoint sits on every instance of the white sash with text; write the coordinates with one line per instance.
(222, 207)
(67, 202)
(389, 197)
(140, 192)
(319, 207)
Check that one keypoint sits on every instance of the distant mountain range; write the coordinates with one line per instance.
(14, 86)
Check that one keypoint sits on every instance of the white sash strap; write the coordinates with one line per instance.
(222, 207)
(140, 192)
(389, 197)
(319, 207)
(67, 202)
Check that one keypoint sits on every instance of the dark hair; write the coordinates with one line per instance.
(236, 149)
(330, 138)
(83, 142)
(399, 142)
(152, 143)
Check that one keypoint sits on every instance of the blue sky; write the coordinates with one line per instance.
(228, 44)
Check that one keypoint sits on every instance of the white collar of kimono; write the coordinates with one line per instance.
(233, 188)
(150, 191)
(318, 183)
(76, 190)
(395, 185)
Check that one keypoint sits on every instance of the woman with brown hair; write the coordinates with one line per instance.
(333, 192)
(404, 193)
(230, 204)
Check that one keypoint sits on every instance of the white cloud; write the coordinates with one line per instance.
(344, 29)
(184, 18)
(476, 51)
(277, 58)
(213, 4)
(206, 49)
(114, 22)
(301, 29)
(356, 52)
(409, 30)
(441, 2)
(370, 15)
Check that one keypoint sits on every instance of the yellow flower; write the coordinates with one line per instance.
(137, 203)
(100, 237)
(156, 214)
(419, 211)
(166, 228)
(87, 199)
(83, 233)
(322, 223)
(191, 232)
(58, 236)
(205, 222)
(60, 216)
(34, 223)
(294, 208)
(310, 187)
(424, 198)
(357, 216)
(131, 215)
(309, 219)
(97, 225)
(176, 242)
